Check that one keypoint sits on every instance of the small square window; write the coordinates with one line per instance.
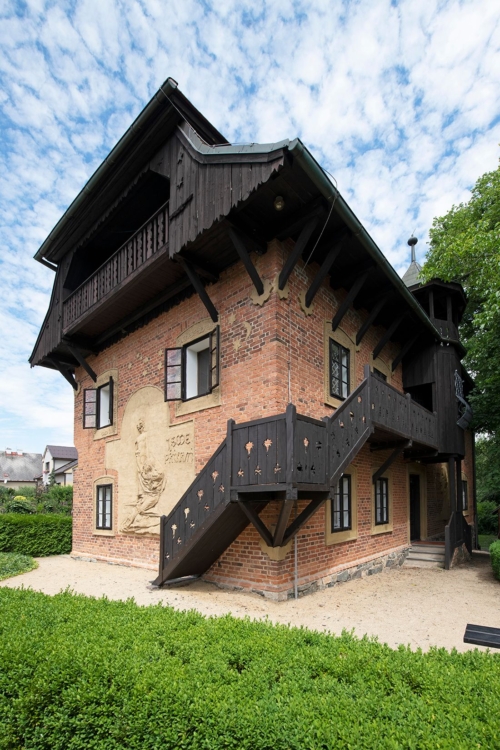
(381, 501)
(193, 369)
(98, 406)
(341, 505)
(339, 370)
(104, 509)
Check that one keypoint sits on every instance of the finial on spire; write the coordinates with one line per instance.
(412, 242)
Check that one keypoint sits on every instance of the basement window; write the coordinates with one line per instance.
(192, 370)
(98, 406)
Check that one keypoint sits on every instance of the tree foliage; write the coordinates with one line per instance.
(465, 247)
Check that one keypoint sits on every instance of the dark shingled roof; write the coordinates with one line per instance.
(63, 451)
(20, 468)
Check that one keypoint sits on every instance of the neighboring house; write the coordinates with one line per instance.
(259, 398)
(19, 469)
(60, 459)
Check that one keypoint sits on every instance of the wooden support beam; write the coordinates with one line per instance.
(324, 270)
(380, 472)
(297, 251)
(303, 517)
(81, 360)
(202, 269)
(253, 517)
(65, 372)
(387, 335)
(370, 320)
(348, 300)
(404, 350)
(238, 243)
(200, 289)
(284, 516)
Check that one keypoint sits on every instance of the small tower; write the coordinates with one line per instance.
(412, 275)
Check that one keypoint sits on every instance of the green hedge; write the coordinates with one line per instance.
(35, 535)
(495, 558)
(79, 673)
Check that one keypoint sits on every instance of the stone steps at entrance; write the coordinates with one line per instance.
(425, 555)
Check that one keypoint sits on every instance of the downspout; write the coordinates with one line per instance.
(474, 497)
(296, 561)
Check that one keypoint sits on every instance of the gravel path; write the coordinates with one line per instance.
(416, 607)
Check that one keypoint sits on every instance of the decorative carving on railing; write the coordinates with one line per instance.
(310, 455)
(146, 242)
(206, 494)
(446, 329)
(465, 408)
(259, 452)
(348, 428)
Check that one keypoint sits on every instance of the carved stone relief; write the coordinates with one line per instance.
(154, 461)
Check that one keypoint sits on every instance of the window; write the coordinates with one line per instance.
(104, 506)
(339, 370)
(465, 496)
(341, 505)
(379, 374)
(192, 370)
(381, 501)
(98, 406)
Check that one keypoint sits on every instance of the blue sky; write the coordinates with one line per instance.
(399, 101)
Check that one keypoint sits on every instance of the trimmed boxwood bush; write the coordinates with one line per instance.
(35, 535)
(495, 558)
(79, 673)
(13, 564)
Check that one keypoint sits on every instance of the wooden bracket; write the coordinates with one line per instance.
(284, 516)
(369, 321)
(202, 292)
(65, 372)
(348, 300)
(387, 335)
(81, 360)
(297, 251)
(303, 517)
(253, 517)
(324, 269)
(404, 350)
(380, 472)
(238, 243)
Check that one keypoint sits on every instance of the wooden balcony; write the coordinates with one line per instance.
(139, 253)
(446, 328)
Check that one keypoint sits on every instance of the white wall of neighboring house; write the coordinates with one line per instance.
(53, 464)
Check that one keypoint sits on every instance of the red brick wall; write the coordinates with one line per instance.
(263, 349)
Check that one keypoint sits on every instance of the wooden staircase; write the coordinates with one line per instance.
(286, 457)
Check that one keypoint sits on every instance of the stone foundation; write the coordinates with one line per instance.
(367, 567)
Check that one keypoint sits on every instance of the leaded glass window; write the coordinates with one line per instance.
(381, 501)
(104, 506)
(339, 370)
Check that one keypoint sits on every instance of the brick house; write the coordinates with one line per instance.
(259, 398)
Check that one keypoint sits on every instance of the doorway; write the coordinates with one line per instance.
(414, 507)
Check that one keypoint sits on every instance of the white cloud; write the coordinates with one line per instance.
(399, 101)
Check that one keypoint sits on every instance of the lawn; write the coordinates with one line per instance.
(486, 539)
(12, 564)
(83, 673)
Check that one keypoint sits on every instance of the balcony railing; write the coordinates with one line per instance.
(148, 241)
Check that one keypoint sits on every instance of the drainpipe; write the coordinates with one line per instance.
(296, 561)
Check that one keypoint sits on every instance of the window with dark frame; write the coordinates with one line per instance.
(104, 507)
(98, 406)
(192, 370)
(339, 370)
(341, 505)
(381, 501)
(465, 496)
(379, 374)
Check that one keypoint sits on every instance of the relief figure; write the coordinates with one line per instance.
(150, 484)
